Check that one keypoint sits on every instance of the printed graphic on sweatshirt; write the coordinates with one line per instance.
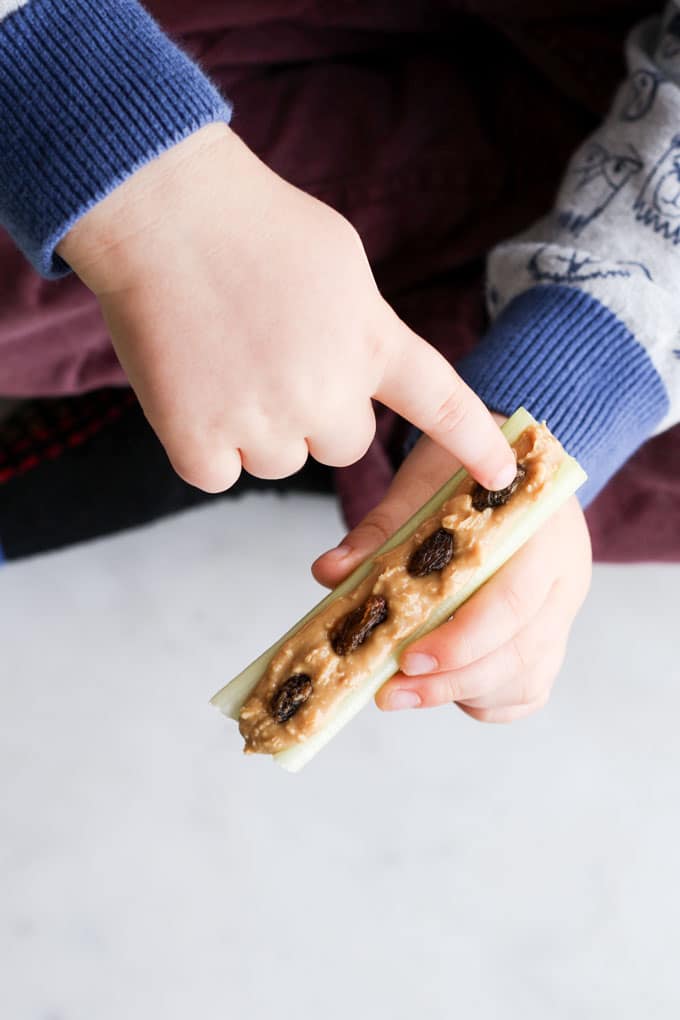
(658, 203)
(557, 265)
(598, 176)
(668, 49)
(639, 95)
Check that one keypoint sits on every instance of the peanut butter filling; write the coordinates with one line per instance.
(347, 640)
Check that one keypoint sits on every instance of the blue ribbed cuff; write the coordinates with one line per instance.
(571, 362)
(90, 90)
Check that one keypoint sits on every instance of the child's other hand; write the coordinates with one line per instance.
(500, 654)
(246, 317)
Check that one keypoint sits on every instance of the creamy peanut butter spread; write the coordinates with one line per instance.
(309, 653)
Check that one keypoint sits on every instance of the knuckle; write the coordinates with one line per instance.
(299, 461)
(377, 528)
(205, 469)
(453, 690)
(529, 708)
(536, 687)
(519, 657)
(486, 715)
(349, 441)
(351, 452)
(461, 689)
(513, 604)
(273, 467)
(461, 651)
(451, 415)
(505, 716)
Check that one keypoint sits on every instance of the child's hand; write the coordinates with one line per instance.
(499, 655)
(247, 319)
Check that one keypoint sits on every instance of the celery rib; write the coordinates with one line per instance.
(231, 698)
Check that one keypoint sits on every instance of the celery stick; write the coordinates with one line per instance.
(567, 479)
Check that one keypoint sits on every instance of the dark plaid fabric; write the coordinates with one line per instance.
(77, 468)
(40, 431)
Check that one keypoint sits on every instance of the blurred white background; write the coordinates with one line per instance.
(423, 866)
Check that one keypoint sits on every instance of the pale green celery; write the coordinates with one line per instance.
(567, 479)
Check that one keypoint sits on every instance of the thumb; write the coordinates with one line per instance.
(421, 386)
(423, 472)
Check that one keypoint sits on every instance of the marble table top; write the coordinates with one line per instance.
(424, 866)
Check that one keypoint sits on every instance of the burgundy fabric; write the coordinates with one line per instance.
(438, 128)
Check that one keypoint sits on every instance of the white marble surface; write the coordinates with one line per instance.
(423, 866)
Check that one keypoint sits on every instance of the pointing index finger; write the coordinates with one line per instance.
(421, 386)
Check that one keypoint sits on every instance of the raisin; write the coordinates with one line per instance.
(290, 696)
(435, 553)
(354, 628)
(483, 498)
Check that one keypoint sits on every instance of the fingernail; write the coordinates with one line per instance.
(415, 664)
(403, 699)
(505, 478)
(342, 550)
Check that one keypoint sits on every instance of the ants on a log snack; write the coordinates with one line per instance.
(296, 696)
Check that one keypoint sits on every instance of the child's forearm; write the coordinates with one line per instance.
(587, 301)
(90, 90)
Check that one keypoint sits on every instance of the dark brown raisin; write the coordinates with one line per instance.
(483, 498)
(435, 553)
(290, 696)
(354, 628)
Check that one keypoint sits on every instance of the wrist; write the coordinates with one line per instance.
(109, 245)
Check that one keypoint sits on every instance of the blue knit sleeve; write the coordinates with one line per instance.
(90, 91)
(9, 6)
(574, 364)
